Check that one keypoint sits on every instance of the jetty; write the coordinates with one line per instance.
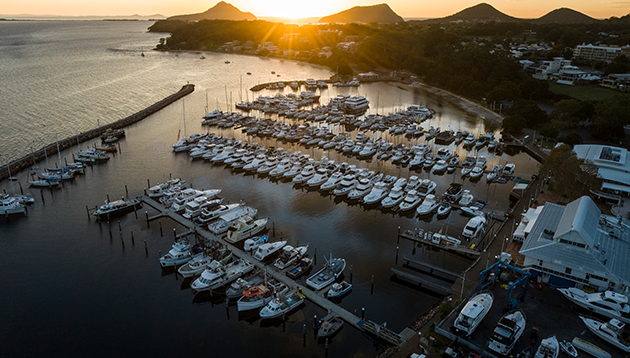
(28, 160)
(319, 298)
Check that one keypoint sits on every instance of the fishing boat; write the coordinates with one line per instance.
(329, 326)
(472, 314)
(474, 227)
(202, 261)
(549, 348)
(301, 267)
(339, 289)
(466, 198)
(607, 303)
(10, 205)
(568, 348)
(613, 332)
(426, 187)
(378, 192)
(444, 209)
(454, 193)
(245, 228)
(324, 277)
(211, 279)
(268, 249)
(590, 348)
(281, 305)
(507, 332)
(394, 198)
(252, 244)
(179, 254)
(258, 296)
(117, 207)
(412, 199)
(289, 255)
(241, 284)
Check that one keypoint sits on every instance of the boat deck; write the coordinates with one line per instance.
(319, 298)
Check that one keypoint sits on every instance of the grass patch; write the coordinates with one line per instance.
(584, 93)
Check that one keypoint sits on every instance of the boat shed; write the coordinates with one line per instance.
(613, 166)
(575, 245)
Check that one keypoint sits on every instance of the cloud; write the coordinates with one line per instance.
(617, 4)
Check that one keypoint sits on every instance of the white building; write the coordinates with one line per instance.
(613, 166)
(549, 68)
(577, 245)
(596, 53)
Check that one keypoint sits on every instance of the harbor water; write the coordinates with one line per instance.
(74, 286)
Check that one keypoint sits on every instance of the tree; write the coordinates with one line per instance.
(572, 177)
(532, 114)
(507, 90)
(611, 115)
(571, 111)
(514, 125)
(532, 88)
(571, 139)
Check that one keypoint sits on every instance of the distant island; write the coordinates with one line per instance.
(220, 11)
(380, 13)
(486, 12)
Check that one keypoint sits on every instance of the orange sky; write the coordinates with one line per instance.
(297, 9)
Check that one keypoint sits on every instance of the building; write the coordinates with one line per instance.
(619, 81)
(550, 68)
(596, 52)
(613, 166)
(575, 245)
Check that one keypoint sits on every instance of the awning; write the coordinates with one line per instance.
(616, 187)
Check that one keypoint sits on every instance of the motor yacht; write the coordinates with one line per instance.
(179, 254)
(266, 250)
(495, 173)
(339, 289)
(607, 303)
(428, 206)
(362, 189)
(307, 173)
(213, 278)
(213, 211)
(411, 200)
(549, 347)
(193, 208)
(474, 227)
(268, 165)
(444, 209)
(440, 167)
(11, 205)
(472, 314)
(332, 182)
(117, 207)
(466, 198)
(245, 228)
(395, 197)
(346, 185)
(289, 255)
(507, 332)
(454, 193)
(426, 187)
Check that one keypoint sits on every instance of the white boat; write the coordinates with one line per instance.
(472, 314)
(281, 305)
(476, 173)
(213, 278)
(214, 211)
(245, 228)
(613, 332)
(590, 348)
(179, 254)
(568, 348)
(444, 209)
(158, 190)
(289, 255)
(339, 289)
(395, 197)
(116, 207)
(346, 185)
(256, 163)
(193, 208)
(329, 326)
(295, 170)
(332, 182)
(508, 169)
(267, 249)
(223, 223)
(474, 227)
(428, 206)
(438, 238)
(320, 177)
(281, 168)
(11, 205)
(44, 183)
(426, 187)
(362, 189)
(495, 173)
(608, 303)
(466, 198)
(411, 200)
(472, 211)
(324, 277)
(243, 283)
(440, 166)
(378, 192)
(258, 296)
(252, 244)
(549, 348)
(307, 173)
(454, 193)
(199, 263)
(507, 332)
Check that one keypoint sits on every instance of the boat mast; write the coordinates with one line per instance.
(58, 151)
(184, 116)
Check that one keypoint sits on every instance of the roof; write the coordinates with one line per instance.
(613, 175)
(608, 239)
(604, 156)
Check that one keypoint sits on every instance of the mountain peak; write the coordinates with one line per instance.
(380, 13)
(221, 11)
(564, 15)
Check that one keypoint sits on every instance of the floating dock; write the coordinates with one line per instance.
(420, 237)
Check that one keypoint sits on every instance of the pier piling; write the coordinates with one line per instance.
(372, 284)
(362, 312)
(108, 198)
(315, 257)
(146, 214)
(119, 228)
(398, 236)
(41, 193)
(350, 273)
(126, 191)
(87, 210)
(109, 225)
(161, 233)
(273, 230)
(21, 190)
(304, 335)
(146, 248)
(397, 247)
(132, 240)
(148, 183)
(174, 234)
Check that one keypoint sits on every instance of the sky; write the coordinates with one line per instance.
(300, 8)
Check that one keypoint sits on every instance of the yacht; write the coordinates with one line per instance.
(466, 198)
(507, 332)
(426, 187)
(607, 303)
(444, 209)
(495, 173)
(281, 168)
(268, 165)
(362, 189)
(413, 183)
(213, 278)
(245, 228)
(281, 305)
(295, 170)
(117, 207)
(194, 208)
(241, 284)
(265, 250)
(589, 348)
(428, 206)
(395, 197)
(378, 192)
(200, 262)
(356, 105)
(454, 193)
(474, 227)
(258, 296)
(320, 177)
(307, 173)
(508, 170)
(324, 277)
(11, 205)
(332, 182)
(213, 211)
(472, 314)
(549, 348)
(158, 190)
(289, 255)
(179, 254)
(440, 167)
(223, 223)
(368, 151)
(411, 200)
(346, 185)
(476, 172)
(256, 163)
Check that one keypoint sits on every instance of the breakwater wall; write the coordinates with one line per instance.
(51, 149)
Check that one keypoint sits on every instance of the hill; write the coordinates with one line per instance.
(564, 15)
(479, 12)
(220, 11)
(381, 13)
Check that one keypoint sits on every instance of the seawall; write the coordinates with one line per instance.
(27, 161)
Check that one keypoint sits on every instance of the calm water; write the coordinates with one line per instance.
(69, 289)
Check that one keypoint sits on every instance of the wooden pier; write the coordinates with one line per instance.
(317, 297)
(421, 282)
(419, 237)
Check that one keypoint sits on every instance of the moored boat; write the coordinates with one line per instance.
(268, 249)
(245, 228)
(301, 267)
(281, 305)
(339, 289)
(289, 255)
(324, 277)
(258, 296)
(117, 207)
(179, 254)
(607, 303)
(329, 326)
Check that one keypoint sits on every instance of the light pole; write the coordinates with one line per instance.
(503, 244)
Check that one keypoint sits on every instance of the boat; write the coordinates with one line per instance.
(213, 278)
(507, 332)
(332, 182)
(444, 209)
(329, 326)
(378, 192)
(258, 296)
(179, 254)
(241, 284)
(472, 211)
(289, 255)
(412, 199)
(394, 198)
(454, 193)
(607, 303)
(281, 305)
(267, 249)
(324, 277)
(429, 205)
(568, 348)
(11, 205)
(223, 223)
(613, 332)
(474, 227)
(194, 208)
(44, 183)
(590, 348)
(200, 262)
(440, 167)
(438, 238)
(339, 289)
(302, 266)
(117, 207)
(525, 353)
(495, 173)
(476, 173)
(346, 185)
(252, 244)
(245, 228)
(472, 314)
(508, 170)
(362, 189)
(466, 198)
(320, 177)
(158, 190)
(549, 348)
(426, 187)
(214, 211)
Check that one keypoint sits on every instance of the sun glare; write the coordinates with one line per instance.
(294, 10)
